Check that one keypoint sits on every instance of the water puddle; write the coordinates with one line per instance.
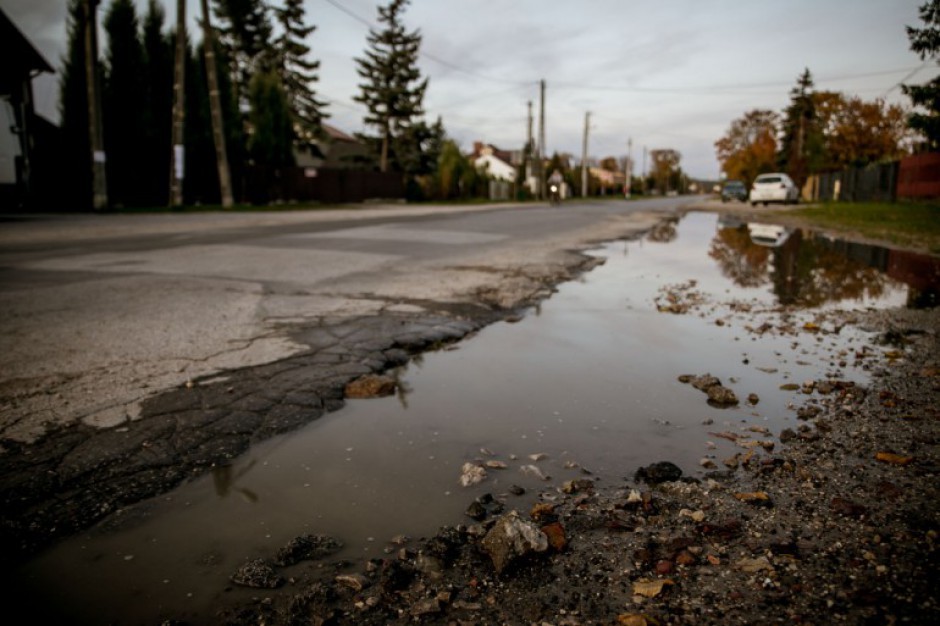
(588, 381)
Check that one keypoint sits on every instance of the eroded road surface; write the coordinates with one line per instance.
(121, 334)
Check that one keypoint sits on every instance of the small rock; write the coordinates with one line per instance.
(753, 399)
(533, 470)
(664, 567)
(258, 574)
(556, 536)
(516, 490)
(703, 383)
(371, 386)
(428, 606)
(512, 538)
(542, 511)
(656, 473)
(685, 558)
(841, 506)
(491, 464)
(722, 396)
(471, 474)
(476, 511)
(538, 456)
(707, 463)
(752, 566)
(306, 548)
(578, 485)
(356, 582)
(787, 435)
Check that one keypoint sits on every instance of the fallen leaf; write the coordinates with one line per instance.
(892, 355)
(810, 326)
(789, 387)
(752, 566)
(893, 459)
(632, 619)
(754, 497)
(726, 435)
(650, 588)
(714, 560)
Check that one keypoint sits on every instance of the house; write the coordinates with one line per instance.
(497, 163)
(19, 124)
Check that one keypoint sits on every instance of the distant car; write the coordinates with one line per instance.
(734, 190)
(776, 187)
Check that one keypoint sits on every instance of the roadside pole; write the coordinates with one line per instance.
(99, 180)
(177, 149)
(584, 149)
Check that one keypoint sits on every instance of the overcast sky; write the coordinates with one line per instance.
(666, 73)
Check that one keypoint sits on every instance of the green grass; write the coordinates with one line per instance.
(908, 224)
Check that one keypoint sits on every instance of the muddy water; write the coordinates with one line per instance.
(588, 379)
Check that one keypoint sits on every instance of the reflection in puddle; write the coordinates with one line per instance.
(588, 380)
(808, 269)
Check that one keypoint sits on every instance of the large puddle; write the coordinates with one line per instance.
(586, 381)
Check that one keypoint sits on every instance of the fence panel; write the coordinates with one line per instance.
(919, 176)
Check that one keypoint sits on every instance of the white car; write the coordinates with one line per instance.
(775, 187)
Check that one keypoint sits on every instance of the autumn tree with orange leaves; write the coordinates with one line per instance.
(858, 132)
(749, 147)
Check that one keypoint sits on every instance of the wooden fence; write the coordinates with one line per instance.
(298, 184)
(915, 177)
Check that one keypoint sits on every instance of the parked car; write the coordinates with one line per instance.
(734, 190)
(776, 187)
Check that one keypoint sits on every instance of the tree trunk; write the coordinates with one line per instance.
(179, 111)
(215, 107)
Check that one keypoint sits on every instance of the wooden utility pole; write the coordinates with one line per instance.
(99, 180)
(584, 150)
(628, 168)
(179, 112)
(215, 107)
(541, 151)
(528, 147)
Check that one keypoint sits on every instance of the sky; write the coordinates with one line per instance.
(660, 74)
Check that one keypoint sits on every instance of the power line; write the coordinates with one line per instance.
(435, 58)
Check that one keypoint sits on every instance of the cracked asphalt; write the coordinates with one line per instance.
(139, 351)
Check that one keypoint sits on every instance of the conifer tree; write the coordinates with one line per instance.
(297, 72)
(801, 146)
(392, 91)
(244, 28)
(73, 109)
(157, 77)
(122, 101)
(926, 42)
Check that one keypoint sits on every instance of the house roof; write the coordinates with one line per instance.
(336, 134)
(18, 54)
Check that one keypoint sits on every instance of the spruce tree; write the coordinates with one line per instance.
(800, 142)
(157, 77)
(73, 109)
(122, 104)
(926, 43)
(297, 72)
(244, 28)
(392, 91)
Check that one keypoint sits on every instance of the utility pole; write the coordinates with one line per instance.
(215, 107)
(643, 187)
(628, 167)
(99, 180)
(529, 149)
(179, 112)
(539, 161)
(584, 150)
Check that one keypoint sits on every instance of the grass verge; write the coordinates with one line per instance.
(907, 224)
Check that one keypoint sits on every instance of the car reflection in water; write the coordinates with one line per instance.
(811, 269)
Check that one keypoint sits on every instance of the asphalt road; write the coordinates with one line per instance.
(101, 312)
